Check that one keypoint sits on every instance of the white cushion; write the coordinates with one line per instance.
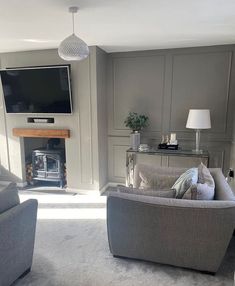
(204, 176)
(204, 189)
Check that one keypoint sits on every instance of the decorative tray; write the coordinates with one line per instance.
(168, 146)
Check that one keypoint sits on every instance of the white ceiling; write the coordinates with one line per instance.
(117, 25)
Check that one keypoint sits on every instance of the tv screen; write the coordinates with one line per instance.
(37, 90)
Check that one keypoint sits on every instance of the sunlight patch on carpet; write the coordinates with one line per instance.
(62, 199)
(73, 214)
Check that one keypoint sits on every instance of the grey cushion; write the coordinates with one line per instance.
(8, 197)
(165, 193)
(175, 172)
(152, 180)
(185, 181)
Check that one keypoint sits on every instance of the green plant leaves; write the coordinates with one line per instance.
(136, 122)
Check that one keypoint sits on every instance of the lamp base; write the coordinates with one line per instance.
(198, 135)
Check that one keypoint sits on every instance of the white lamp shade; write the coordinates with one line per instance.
(199, 119)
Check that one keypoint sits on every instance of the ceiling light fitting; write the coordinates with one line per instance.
(73, 48)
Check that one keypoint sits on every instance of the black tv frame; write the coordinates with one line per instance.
(43, 67)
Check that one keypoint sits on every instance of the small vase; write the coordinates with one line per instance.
(135, 140)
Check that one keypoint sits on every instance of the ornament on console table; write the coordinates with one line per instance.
(136, 122)
(144, 148)
(170, 144)
(135, 140)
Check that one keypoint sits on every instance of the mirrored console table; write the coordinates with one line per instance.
(163, 157)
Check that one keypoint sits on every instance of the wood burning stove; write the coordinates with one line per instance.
(49, 165)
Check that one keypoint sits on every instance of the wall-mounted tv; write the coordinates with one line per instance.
(37, 89)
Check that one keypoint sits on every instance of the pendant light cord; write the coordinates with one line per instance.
(73, 21)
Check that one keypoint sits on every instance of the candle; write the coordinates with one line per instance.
(173, 137)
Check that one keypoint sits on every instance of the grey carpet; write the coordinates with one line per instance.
(75, 252)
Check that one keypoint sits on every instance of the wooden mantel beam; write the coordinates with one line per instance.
(46, 133)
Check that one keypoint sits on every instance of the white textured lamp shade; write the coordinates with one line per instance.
(199, 119)
(73, 49)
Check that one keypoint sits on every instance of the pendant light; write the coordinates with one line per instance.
(72, 48)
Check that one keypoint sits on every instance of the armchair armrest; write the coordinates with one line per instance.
(17, 235)
(193, 234)
(223, 191)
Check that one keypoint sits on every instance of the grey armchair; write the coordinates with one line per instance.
(185, 233)
(17, 235)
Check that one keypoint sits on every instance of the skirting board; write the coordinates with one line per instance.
(83, 191)
(19, 184)
(22, 184)
(5, 183)
(110, 184)
(92, 192)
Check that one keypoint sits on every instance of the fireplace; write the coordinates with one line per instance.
(49, 165)
(45, 161)
(44, 152)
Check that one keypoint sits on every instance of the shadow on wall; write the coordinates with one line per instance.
(6, 175)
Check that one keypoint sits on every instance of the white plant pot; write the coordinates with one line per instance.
(135, 140)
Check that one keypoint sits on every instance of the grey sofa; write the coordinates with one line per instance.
(186, 233)
(17, 234)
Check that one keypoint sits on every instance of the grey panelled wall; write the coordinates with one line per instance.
(82, 148)
(165, 84)
(101, 58)
(232, 153)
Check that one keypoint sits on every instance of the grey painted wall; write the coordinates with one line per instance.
(232, 153)
(82, 147)
(165, 84)
(101, 58)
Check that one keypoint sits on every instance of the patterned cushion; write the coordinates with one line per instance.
(185, 181)
(156, 181)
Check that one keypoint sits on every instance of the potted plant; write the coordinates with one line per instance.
(136, 122)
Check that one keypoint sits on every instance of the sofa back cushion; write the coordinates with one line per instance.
(144, 173)
(8, 197)
(156, 181)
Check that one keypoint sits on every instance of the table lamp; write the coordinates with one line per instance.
(198, 119)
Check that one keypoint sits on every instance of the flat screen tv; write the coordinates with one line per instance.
(37, 89)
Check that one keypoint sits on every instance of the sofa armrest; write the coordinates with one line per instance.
(223, 191)
(193, 234)
(174, 203)
(17, 235)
